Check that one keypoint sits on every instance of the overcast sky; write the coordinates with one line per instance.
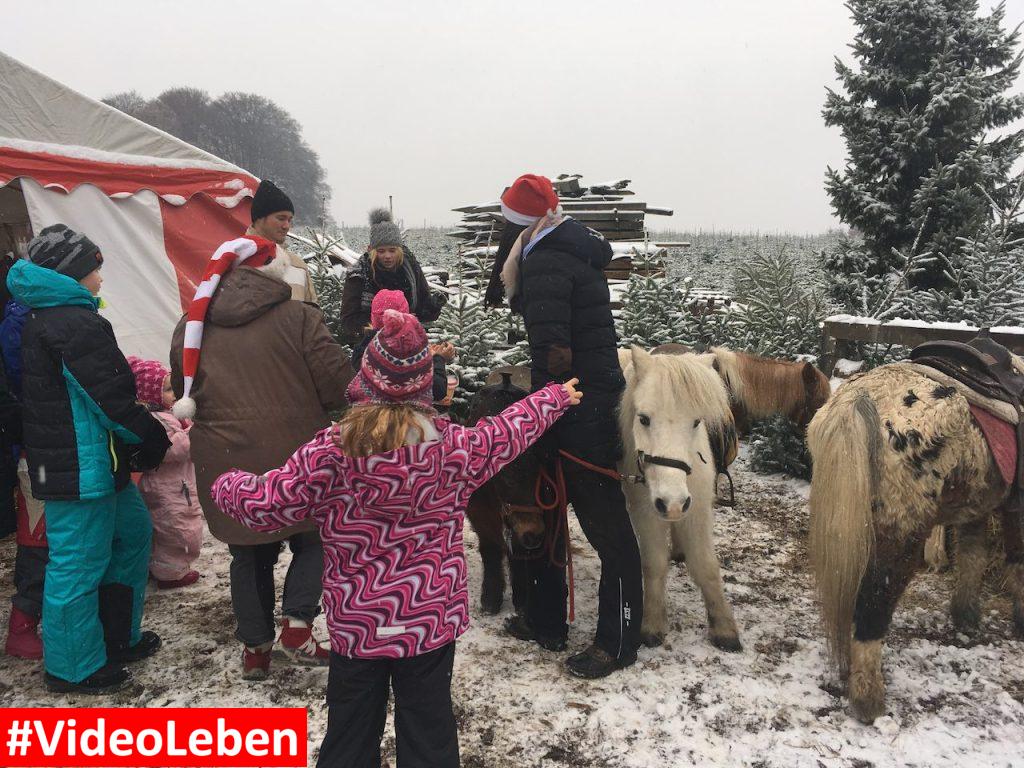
(711, 108)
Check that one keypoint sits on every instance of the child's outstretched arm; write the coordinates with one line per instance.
(496, 441)
(284, 496)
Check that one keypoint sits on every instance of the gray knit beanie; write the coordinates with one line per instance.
(383, 231)
(60, 248)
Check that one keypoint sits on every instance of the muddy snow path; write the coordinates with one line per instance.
(953, 699)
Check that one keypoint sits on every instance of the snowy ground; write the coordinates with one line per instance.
(954, 700)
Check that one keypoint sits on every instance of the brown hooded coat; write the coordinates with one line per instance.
(269, 371)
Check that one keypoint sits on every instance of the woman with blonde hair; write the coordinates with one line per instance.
(387, 265)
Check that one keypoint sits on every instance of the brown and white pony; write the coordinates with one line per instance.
(896, 454)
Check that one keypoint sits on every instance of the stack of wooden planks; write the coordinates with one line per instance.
(609, 207)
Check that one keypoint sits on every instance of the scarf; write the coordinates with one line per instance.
(526, 242)
(402, 279)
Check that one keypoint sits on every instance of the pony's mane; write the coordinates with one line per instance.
(764, 386)
(681, 378)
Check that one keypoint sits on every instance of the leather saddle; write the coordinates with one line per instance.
(982, 364)
(987, 367)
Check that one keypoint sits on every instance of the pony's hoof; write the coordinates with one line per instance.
(867, 710)
(652, 639)
(966, 615)
(678, 557)
(730, 643)
(490, 604)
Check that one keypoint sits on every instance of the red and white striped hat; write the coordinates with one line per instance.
(249, 250)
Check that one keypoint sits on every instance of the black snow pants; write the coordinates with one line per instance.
(426, 735)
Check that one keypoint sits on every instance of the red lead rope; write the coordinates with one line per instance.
(560, 505)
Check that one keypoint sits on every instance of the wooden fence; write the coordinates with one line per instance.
(841, 333)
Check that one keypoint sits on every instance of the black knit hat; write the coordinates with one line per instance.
(269, 199)
(63, 250)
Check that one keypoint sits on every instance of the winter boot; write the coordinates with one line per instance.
(107, 679)
(596, 662)
(299, 645)
(148, 644)
(22, 636)
(518, 626)
(187, 580)
(256, 662)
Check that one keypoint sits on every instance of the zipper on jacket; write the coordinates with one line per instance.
(113, 451)
(186, 493)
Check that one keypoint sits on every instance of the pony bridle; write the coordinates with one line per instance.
(643, 460)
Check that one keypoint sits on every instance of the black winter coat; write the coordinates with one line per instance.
(84, 431)
(564, 299)
(60, 443)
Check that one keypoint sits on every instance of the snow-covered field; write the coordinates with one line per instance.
(954, 700)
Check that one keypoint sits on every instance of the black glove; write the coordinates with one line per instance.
(151, 451)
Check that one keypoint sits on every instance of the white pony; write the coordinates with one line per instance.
(674, 419)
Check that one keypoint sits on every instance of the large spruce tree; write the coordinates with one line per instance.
(920, 114)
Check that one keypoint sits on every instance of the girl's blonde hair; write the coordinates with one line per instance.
(373, 258)
(369, 429)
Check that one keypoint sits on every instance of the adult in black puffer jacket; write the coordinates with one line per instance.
(554, 277)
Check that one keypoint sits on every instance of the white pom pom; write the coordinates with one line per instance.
(184, 408)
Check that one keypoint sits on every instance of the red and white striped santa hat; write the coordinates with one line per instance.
(249, 250)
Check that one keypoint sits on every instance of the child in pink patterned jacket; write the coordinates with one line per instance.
(169, 490)
(388, 488)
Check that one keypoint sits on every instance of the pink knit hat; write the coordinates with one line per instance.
(149, 380)
(397, 366)
(385, 300)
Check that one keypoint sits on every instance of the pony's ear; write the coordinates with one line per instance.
(641, 361)
(809, 374)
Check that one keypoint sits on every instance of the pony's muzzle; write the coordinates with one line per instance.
(674, 511)
(531, 540)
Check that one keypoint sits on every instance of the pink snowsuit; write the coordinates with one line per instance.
(170, 495)
(391, 524)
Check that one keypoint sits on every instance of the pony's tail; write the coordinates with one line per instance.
(845, 443)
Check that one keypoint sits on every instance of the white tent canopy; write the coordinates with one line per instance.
(155, 205)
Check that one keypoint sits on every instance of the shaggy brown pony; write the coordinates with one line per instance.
(762, 386)
(895, 454)
(759, 387)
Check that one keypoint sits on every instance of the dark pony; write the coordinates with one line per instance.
(504, 512)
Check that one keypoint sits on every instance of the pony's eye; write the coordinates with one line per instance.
(696, 423)
(645, 420)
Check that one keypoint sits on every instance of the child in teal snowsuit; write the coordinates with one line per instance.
(84, 433)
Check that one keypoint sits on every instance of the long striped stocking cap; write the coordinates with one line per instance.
(249, 250)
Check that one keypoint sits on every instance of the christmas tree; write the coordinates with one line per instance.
(481, 335)
(932, 79)
(986, 274)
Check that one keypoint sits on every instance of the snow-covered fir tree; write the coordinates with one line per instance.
(328, 279)
(986, 273)
(931, 80)
(481, 335)
(781, 311)
(651, 312)
(777, 446)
